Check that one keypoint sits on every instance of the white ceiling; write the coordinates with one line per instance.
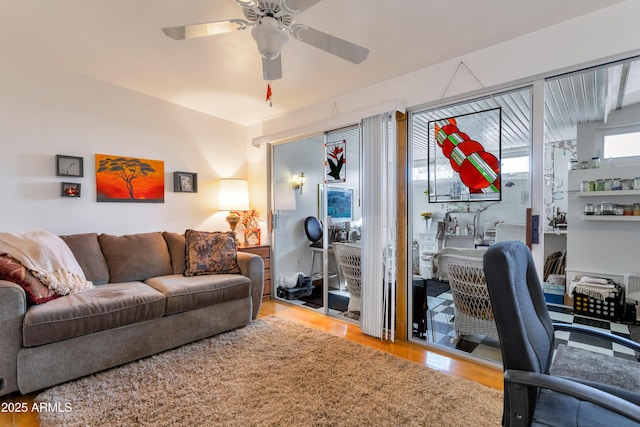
(121, 42)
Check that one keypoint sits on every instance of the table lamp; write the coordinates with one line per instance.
(233, 197)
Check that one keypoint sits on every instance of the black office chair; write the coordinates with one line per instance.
(313, 230)
(531, 395)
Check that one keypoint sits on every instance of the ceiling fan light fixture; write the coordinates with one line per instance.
(269, 38)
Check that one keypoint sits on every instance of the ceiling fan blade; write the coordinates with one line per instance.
(272, 68)
(205, 29)
(334, 45)
(297, 6)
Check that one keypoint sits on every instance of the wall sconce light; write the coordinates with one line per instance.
(298, 181)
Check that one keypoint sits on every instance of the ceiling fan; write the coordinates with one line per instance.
(272, 22)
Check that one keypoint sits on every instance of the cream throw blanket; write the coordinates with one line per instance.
(48, 258)
(595, 287)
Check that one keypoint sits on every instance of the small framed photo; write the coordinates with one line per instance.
(69, 165)
(69, 189)
(185, 182)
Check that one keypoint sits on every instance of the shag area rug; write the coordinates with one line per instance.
(588, 365)
(272, 373)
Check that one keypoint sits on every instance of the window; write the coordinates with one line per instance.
(515, 164)
(622, 145)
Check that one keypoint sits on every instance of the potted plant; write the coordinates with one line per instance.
(250, 221)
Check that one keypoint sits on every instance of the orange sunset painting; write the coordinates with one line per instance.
(128, 179)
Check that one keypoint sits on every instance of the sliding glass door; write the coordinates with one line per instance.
(469, 187)
(316, 203)
(334, 250)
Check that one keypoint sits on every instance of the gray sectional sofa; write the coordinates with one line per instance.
(142, 304)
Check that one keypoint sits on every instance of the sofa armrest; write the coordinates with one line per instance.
(252, 266)
(13, 305)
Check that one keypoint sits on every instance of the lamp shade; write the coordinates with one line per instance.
(233, 195)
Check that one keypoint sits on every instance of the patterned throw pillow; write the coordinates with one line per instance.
(12, 271)
(210, 253)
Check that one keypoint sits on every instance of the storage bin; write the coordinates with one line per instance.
(609, 309)
(304, 287)
(294, 293)
(553, 293)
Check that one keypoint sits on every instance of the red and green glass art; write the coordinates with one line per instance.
(469, 145)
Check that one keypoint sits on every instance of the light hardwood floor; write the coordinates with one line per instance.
(486, 375)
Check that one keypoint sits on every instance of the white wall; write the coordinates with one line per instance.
(46, 111)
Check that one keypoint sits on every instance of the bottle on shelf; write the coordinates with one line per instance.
(573, 164)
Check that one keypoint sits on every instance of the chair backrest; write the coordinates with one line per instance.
(522, 319)
(348, 256)
(469, 286)
(313, 228)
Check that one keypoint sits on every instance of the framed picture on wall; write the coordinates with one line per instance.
(339, 203)
(185, 182)
(69, 165)
(69, 189)
(129, 179)
(335, 161)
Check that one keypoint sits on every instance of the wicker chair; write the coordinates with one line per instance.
(348, 256)
(473, 313)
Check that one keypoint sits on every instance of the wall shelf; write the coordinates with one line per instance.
(608, 193)
(624, 218)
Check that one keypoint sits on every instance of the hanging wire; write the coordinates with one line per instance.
(334, 110)
(431, 111)
(460, 64)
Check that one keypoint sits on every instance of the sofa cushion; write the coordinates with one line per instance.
(105, 307)
(176, 245)
(210, 253)
(136, 256)
(12, 271)
(86, 249)
(189, 293)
